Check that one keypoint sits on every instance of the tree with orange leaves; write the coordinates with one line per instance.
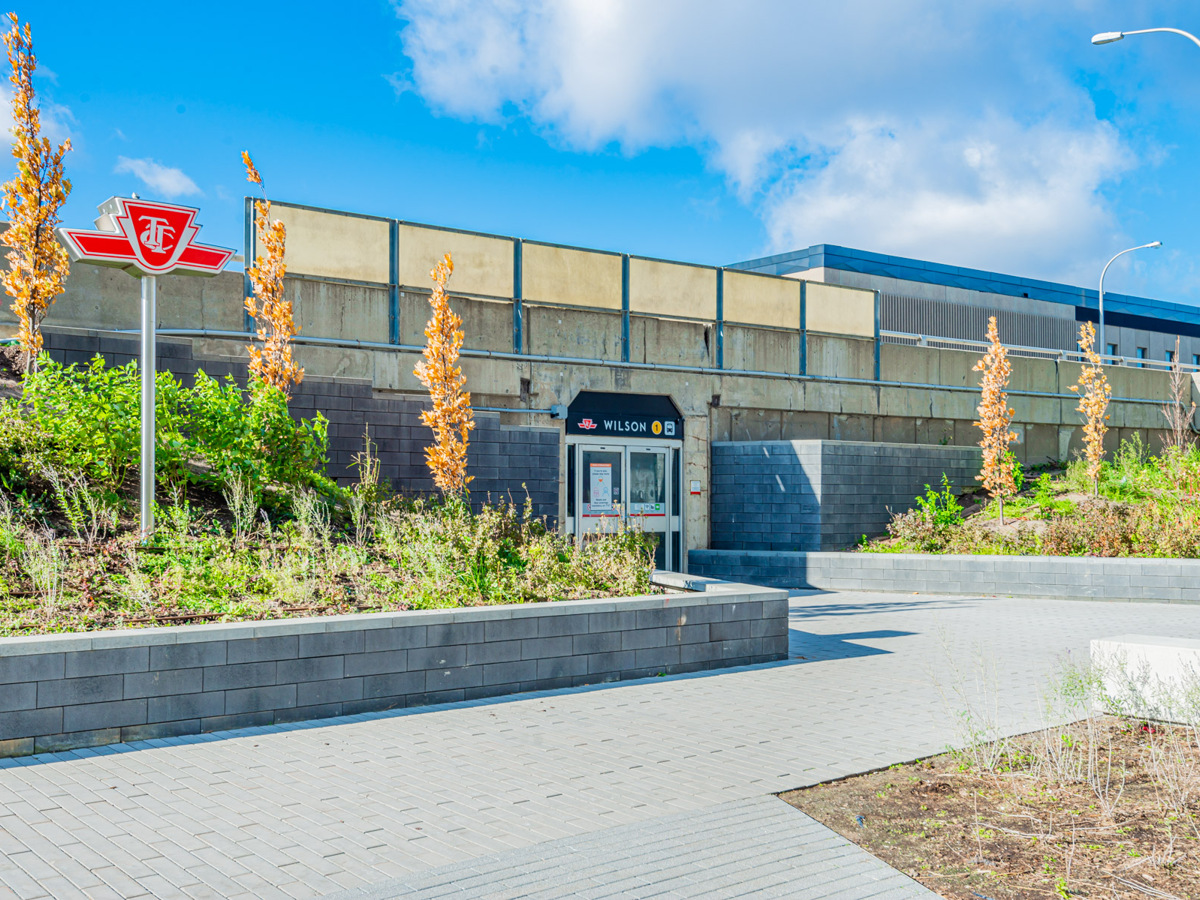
(37, 263)
(269, 306)
(995, 420)
(1094, 393)
(451, 416)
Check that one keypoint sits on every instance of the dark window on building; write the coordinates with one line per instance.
(1196, 359)
(1112, 349)
(1170, 356)
(1141, 354)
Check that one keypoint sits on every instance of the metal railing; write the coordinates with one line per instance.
(942, 343)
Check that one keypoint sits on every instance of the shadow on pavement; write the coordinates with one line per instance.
(807, 646)
(819, 610)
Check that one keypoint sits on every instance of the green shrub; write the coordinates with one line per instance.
(84, 421)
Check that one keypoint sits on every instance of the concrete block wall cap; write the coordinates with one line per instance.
(1146, 640)
(26, 645)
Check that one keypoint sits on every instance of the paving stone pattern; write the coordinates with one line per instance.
(504, 460)
(1065, 577)
(761, 847)
(83, 690)
(821, 495)
(309, 810)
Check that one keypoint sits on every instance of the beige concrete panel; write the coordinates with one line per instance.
(1041, 444)
(695, 468)
(761, 300)
(832, 309)
(840, 357)
(670, 342)
(904, 402)
(934, 431)
(803, 426)
(482, 265)
(1148, 384)
(761, 349)
(744, 392)
(573, 333)
(957, 367)
(672, 289)
(569, 276)
(1032, 374)
(333, 362)
(913, 365)
(851, 427)
(327, 309)
(841, 398)
(487, 324)
(754, 425)
(332, 245)
(952, 405)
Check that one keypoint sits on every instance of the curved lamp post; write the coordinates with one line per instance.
(1153, 245)
(1107, 37)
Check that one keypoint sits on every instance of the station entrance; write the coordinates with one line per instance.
(625, 467)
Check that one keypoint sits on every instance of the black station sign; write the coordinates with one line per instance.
(605, 414)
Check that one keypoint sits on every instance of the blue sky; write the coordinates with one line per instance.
(989, 134)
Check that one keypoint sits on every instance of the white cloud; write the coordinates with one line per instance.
(931, 128)
(168, 181)
(57, 121)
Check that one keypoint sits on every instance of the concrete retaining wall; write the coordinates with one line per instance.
(821, 495)
(64, 691)
(1051, 577)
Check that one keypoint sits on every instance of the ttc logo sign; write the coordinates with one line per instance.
(587, 424)
(145, 237)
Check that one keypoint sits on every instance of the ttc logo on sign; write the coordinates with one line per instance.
(587, 424)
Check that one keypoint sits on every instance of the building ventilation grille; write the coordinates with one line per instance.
(941, 318)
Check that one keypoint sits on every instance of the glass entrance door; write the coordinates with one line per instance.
(613, 484)
(648, 496)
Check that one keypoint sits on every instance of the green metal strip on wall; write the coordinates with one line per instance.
(720, 318)
(803, 327)
(518, 297)
(624, 307)
(393, 282)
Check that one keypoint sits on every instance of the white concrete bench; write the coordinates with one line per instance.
(1150, 677)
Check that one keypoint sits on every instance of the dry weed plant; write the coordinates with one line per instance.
(243, 507)
(1180, 409)
(43, 564)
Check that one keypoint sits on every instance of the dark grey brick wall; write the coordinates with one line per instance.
(64, 691)
(821, 495)
(1042, 577)
(504, 461)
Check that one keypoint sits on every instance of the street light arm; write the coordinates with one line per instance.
(1187, 34)
(1150, 246)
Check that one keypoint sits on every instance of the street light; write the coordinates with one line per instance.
(1153, 245)
(1107, 37)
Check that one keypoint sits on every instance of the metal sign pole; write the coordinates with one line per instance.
(146, 238)
(149, 321)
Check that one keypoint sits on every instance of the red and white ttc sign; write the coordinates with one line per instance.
(145, 237)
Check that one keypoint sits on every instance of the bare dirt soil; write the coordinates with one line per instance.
(1021, 833)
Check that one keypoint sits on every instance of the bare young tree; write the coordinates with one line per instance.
(1180, 408)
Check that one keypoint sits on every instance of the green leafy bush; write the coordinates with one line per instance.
(84, 421)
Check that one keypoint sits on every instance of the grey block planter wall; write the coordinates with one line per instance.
(64, 691)
(822, 495)
(1061, 577)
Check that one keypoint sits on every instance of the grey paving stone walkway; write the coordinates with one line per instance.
(760, 847)
(302, 811)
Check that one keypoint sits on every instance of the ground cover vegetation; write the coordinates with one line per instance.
(1103, 801)
(1137, 503)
